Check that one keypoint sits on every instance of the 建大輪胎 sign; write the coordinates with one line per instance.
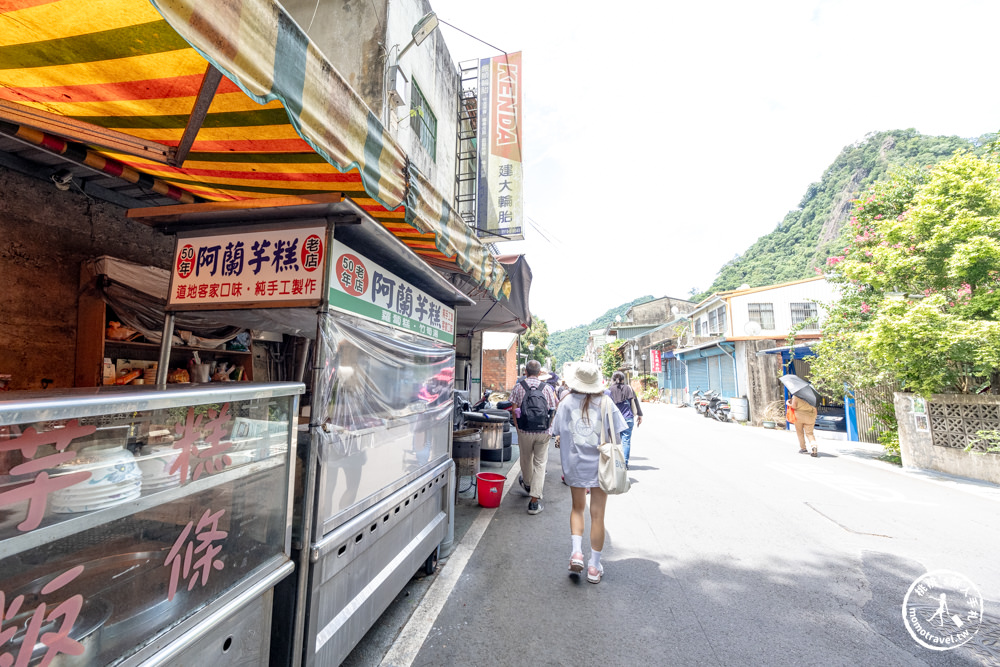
(248, 269)
(362, 287)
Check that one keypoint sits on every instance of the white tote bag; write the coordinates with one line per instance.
(612, 473)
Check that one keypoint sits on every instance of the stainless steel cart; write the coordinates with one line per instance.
(145, 525)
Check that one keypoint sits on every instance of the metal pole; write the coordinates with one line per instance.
(163, 365)
(311, 470)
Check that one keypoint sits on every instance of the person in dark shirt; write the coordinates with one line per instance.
(628, 404)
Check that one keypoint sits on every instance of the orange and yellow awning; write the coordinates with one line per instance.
(129, 85)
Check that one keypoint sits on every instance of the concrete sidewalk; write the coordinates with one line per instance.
(374, 646)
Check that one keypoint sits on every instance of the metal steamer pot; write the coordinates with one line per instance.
(490, 426)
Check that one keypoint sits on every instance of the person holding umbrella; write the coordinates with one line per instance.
(804, 400)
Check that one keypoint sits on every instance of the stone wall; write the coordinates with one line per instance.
(933, 434)
(46, 235)
(762, 385)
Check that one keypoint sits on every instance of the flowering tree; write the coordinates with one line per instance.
(920, 283)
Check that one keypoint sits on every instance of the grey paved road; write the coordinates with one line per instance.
(730, 549)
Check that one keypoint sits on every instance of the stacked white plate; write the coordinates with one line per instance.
(155, 462)
(114, 479)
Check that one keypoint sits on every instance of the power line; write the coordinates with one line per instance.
(440, 20)
(538, 228)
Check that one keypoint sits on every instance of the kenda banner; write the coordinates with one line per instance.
(361, 287)
(500, 200)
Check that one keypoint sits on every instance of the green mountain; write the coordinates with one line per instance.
(569, 345)
(801, 243)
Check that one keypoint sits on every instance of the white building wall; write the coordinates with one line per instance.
(431, 66)
(781, 298)
(741, 368)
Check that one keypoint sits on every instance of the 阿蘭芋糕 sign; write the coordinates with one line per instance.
(246, 269)
(362, 287)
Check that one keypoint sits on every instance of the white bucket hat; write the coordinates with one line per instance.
(585, 378)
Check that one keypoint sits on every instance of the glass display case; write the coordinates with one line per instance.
(128, 512)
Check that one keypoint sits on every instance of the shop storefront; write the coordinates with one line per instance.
(374, 489)
(294, 511)
(711, 366)
(177, 479)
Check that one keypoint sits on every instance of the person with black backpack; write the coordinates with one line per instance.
(534, 404)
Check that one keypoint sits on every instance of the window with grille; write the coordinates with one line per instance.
(697, 327)
(713, 322)
(722, 320)
(803, 312)
(423, 122)
(762, 314)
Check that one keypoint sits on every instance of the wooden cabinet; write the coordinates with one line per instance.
(92, 346)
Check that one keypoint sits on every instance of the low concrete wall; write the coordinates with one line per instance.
(933, 433)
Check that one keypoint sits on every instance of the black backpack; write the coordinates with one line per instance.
(534, 408)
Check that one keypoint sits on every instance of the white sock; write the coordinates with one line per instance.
(595, 559)
(577, 543)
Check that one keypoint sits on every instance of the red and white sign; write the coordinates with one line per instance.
(654, 356)
(248, 269)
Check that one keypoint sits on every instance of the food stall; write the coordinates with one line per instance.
(144, 525)
(374, 477)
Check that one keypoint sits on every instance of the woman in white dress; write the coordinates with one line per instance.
(578, 425)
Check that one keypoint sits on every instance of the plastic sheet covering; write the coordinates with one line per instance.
(138, 295)
(384, 405)
(141, 312)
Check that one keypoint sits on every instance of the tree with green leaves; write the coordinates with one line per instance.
(920, 283)
(537, 335)
(611, 360)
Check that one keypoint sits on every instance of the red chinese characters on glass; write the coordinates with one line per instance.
(37, 491)
(17, 647)
(193, 557)
(211, 457)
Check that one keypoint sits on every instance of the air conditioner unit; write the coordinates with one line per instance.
(396, 86)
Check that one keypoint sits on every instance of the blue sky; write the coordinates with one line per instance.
(661, 139)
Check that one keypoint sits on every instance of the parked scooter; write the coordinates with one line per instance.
(699, 399)
(718, 408)
(484, 402)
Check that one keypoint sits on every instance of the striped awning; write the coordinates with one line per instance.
(215, 101)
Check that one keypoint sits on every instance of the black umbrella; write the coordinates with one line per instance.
(797, 386)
